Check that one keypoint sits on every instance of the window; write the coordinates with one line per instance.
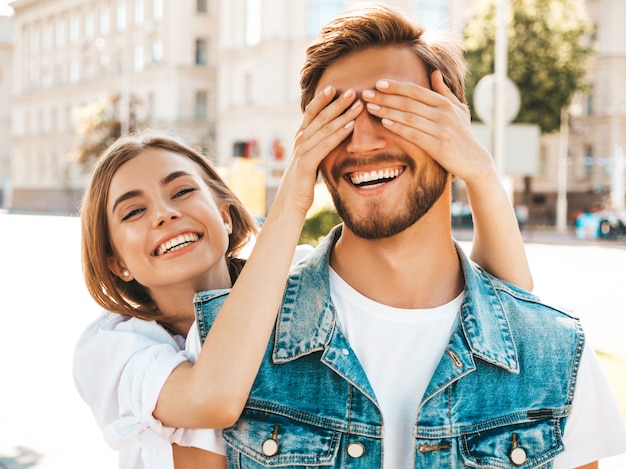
(121, 15)
(138, 59)
(33, 41)
(59, 33)
(74, 72)
(139, 13)
(433, 13)
(46, 39)
(104, 20)
(320, 12)
(589, 160)
(253, 22)
(157, 52)
(202, 6)
(89, 26)
(201, 52)
(201, 105)
(74, 29)
(157, 9)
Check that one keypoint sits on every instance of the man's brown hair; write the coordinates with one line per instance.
(376, 25)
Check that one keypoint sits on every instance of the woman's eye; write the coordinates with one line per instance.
(184, 191)
(132, 213)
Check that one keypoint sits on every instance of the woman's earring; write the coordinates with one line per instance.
(126, 273)
(228, 228)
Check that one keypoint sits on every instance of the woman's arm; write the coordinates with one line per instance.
(498, 246)
(212, 392)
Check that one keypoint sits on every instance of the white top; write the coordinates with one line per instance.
(385, 339)
(120, 366)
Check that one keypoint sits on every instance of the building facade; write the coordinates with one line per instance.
(6, 63)
(224, 75)
(70, 53)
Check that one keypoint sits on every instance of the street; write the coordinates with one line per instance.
(44, 305)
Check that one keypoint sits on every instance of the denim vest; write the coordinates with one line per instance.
(499, 397)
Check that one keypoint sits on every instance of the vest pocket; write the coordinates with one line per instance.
(514, 446)
(276, 441)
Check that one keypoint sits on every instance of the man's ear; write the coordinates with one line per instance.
(119, 269)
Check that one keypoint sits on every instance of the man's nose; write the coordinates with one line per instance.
(367, 134)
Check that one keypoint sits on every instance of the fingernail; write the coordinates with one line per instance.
(368, 94)
(348, 93)
(328, 90)
(349, 125)
(382, 84)
(357, 104)
(373, 107)
(386, 122)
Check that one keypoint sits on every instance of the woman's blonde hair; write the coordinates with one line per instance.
(376, 25)
(132, 298)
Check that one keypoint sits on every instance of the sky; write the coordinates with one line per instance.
(5, 9)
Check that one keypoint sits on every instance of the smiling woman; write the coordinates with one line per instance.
(159, 225)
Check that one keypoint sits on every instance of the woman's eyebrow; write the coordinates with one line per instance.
(176, 174)
(135, 193)
(125, 196)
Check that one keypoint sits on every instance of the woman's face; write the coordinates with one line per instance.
(166, 229)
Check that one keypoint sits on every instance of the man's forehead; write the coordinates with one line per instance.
(361, 70)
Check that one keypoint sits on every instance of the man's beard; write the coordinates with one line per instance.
(427, 188)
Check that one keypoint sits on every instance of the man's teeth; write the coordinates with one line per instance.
(374, 176)
(177, 243)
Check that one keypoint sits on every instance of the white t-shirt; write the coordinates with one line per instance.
(120, 366)
(385, 339)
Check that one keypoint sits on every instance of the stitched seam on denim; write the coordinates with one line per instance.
(580, 343)
(532, 462)
(241, 448)
(314, 420)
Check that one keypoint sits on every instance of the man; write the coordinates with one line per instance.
(392, 348)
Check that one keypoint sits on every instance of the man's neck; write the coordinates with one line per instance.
(418, 268)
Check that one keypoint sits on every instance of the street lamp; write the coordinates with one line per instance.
(572, 110)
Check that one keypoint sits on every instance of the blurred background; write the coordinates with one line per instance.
(545, 86)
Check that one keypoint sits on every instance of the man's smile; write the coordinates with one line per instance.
(373, 177)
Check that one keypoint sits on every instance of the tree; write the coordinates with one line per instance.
(548, 51)
(99, 126)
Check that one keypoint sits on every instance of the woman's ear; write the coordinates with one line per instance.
(228, 220)
(119, 269)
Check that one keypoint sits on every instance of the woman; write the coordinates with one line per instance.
(159, 225)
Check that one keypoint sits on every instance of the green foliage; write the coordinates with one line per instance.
(98, 126)
(318, 225)
(549, 47)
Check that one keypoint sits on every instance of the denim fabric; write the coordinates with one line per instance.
(499, 397)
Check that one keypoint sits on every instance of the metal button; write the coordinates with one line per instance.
(517, 456)
(270, 447)
(345, 351)
(356, 450)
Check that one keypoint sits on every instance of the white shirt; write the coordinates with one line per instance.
(384, 339)
(120, 366)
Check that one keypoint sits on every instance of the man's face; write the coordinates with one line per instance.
(381, 184)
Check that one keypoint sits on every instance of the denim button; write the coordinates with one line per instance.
(345, 351)
(356, 450)
(517, 456)
(270, 447)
